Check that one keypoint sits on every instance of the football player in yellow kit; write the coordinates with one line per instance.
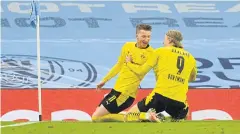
(124, 92)
(176, 67)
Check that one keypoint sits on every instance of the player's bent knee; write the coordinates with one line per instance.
(95, 118)
(100, 111)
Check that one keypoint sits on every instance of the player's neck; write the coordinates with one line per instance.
(138, 46)
(168, 45)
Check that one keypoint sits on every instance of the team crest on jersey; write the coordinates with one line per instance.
(143, 56)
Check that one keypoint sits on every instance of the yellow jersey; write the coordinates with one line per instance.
(175, 68)
(127, 81)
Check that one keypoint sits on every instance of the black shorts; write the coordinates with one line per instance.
(116, 102)
(176, 109)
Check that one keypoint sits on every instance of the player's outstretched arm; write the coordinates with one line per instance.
(114, 70)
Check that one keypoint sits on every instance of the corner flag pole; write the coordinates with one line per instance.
(39, 70)
(35, 22)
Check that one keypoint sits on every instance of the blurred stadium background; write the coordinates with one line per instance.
(81, 41)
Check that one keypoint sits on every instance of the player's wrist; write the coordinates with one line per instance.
(103, 80)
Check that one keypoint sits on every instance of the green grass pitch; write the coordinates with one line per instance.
(187, 127)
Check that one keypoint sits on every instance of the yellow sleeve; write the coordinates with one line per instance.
(146, 67)
(116, 68)
(194, 71)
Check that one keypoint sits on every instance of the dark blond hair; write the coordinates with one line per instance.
(175, 37)
(145, 27)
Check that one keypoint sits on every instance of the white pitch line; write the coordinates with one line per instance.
(19, 124)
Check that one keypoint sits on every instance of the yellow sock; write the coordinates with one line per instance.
(136, 117)
(109, 118)
(130, 117)
(143, 116)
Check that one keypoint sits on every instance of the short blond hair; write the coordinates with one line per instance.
(145, 27)
(175, 37)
